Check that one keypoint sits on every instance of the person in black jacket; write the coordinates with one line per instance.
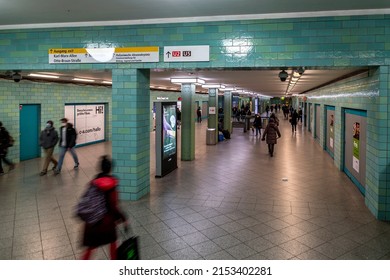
(5, 143)
(67, 142)
(48, 140)
(257, 124)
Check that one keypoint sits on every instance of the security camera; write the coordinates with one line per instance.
(16, 77)
(283, 75)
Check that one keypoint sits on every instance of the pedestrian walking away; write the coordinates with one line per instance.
(257, 124)
(271, 133)
(199, 115)
(294, 120)
(103, 231)
(6, 141)
(48, 140)
(67, 142)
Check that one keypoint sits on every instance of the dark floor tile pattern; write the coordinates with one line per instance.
(232, 202)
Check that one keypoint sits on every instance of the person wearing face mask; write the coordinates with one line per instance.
(67, 142)
(48, 140)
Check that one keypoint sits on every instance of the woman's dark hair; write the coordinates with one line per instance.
(105, 164)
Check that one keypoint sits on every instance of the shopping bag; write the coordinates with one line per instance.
(128, 250)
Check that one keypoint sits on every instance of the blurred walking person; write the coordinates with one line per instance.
(6, 141)
(103, 231)
(271, 133)
(294, 121)
(199, 115)
(48, 140)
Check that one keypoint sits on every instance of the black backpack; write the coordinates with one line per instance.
(93, 205)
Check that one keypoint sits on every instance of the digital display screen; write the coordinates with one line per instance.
(169, 130)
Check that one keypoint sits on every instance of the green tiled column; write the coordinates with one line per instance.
(227, 110)
(187, 122)
(378, 170)
(130, 131)
(213, 118)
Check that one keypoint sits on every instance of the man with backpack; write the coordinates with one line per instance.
(6, 141)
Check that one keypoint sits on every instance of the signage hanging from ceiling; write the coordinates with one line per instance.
(104, 55)
(186, 53)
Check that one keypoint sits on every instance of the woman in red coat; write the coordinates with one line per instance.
(104, 231)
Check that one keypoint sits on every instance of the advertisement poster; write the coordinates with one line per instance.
(311, 119)
(169, 130)
(356, 148)
(331, 131)
(88, 120)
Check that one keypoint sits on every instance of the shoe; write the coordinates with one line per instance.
(1, 172)
(54, 167)
(42, 173)
(76, 166)
(11, 167)
(56, 172)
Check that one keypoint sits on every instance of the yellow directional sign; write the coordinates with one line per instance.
(104, 55)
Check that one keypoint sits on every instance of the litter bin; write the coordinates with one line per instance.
(265, 122)
(211, 137)
(247, 123)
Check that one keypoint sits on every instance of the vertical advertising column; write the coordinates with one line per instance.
(228, 111)
(213, 112)
(130, 131)
(187, 122)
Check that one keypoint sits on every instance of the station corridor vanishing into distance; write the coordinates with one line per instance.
(232, 202)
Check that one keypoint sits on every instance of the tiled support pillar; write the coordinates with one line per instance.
(187, 122)
(130, 131)
(213, 118)
(227, 110)
(378, 155)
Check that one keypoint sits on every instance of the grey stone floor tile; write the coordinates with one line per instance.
(195, 238)
(244, 235)
(277, 253)
(312, 255)
(173, 245)
(184, 230)
(58, 252)
(221, 255)
(163, 235)
(226, 241)
(260, 244)
(185, 254)
(152, 252)
(214, 232)
(206, 248)
(294, 247)
(241, 251)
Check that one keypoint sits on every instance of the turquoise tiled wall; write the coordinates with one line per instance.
(364, 92)
(312, 42)
(52, 98)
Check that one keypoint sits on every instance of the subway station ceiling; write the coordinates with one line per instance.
(44, 13)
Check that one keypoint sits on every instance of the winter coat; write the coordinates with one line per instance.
(4, 141)
(104, 231)
(271, 132)
(48, 138)
(257, 122)
(71, 136)
(294, 118)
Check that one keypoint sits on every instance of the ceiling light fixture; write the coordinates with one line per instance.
(83, 80)
(180, 81)
(219, 86)
(295, 76)
(107, 82)
(43, 76)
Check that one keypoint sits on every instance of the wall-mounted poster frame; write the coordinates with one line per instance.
(89, 120)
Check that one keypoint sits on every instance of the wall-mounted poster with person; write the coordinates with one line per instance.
(356, 146)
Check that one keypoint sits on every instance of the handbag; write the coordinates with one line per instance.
(128, 250)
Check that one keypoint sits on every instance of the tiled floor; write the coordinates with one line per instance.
(232, 202)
